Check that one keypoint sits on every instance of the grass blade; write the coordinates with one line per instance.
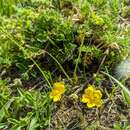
(119, 83)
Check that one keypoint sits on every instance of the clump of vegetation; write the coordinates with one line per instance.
(50, 53)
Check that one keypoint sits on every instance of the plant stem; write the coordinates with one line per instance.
(77, 61)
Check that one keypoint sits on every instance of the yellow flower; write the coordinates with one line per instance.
(92, 97)
(97, 19)
(57, 91)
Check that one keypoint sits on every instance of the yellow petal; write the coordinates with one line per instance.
(84, 99)
(56, 98)
(59, 86)
(53, 93)
(99, 103)
(90, 105)
(89, 85)
(89, 90)
(98, 93)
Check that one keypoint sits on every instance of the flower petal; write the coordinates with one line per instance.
(59, 86)
(54, 93)
(97, 94)
(90, 105)
(84, 99)
(56, 98)
(99, 103)
(89, 91)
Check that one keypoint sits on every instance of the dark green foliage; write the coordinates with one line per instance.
(48, 29)
(61, 37)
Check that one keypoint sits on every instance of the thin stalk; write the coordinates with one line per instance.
(77, 61)
(67, 76)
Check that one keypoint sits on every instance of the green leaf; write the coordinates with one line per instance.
(33, 124)
(19, 128)
(127, 98)
(13, 121)
(119, 83)
(5, 108)
(117, 126)
(2, 125)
